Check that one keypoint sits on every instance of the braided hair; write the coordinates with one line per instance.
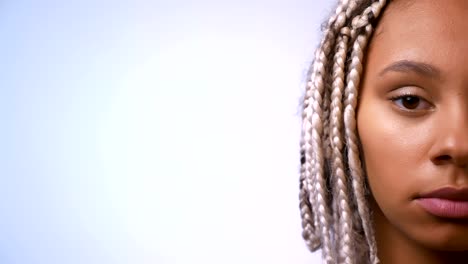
(333, 194)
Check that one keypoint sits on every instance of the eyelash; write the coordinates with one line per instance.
(394, 99)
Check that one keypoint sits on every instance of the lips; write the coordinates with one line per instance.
(447, 202)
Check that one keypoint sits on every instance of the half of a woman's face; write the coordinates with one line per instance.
(413, 122)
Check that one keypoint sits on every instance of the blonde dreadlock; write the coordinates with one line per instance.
(334, 210)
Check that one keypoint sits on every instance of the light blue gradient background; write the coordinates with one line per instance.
(152, 131)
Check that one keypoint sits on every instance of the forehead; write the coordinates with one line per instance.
(430, 31)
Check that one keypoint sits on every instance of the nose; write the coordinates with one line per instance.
(451, 146)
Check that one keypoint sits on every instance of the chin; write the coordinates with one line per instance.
(450, 236)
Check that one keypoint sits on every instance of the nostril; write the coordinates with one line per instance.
(443, 158)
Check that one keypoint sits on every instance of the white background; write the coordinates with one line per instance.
(138, 131)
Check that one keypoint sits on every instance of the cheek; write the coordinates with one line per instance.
(398, 167)
(393, 154)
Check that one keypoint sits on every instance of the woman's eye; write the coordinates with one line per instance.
(411, 102)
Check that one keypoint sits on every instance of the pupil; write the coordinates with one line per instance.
(410, 102)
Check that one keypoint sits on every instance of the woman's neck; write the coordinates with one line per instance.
(395, 247)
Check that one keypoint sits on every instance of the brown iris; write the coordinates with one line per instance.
(410, 102)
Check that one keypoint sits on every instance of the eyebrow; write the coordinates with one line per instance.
(420, 68)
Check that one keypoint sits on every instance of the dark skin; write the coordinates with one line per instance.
(412, 121)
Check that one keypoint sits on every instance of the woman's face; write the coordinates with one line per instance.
(413, 122)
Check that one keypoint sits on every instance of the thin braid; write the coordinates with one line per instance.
(352, 140)
(320, 189)
(312, 170)
(313, 155)
(336, 22)
(308, 198)
(308, 202)
(351, 93)
(327, 215)
(342, 211)
(309, 222)
(314, 152)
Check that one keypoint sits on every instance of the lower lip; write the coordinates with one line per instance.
(445, 208)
